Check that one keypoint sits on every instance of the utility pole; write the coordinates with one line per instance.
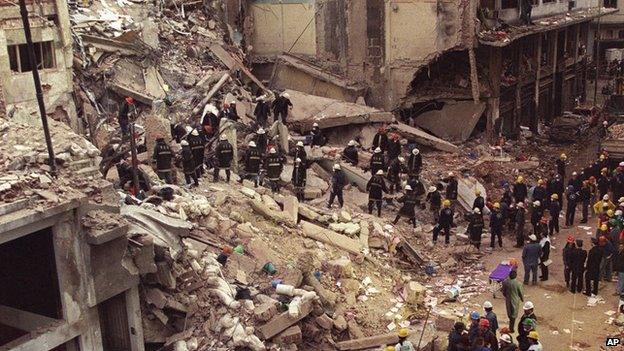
(38, 91)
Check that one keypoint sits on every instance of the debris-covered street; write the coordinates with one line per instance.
(311, 175)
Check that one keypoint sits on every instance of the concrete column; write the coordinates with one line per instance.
(135, 324)
(538, 60)
(493, 103)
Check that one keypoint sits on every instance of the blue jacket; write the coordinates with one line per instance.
(531, 254)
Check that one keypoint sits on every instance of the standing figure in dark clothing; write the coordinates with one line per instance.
(299, 179)
(229, 111)
(197, 145)
(520, 190)
(572, 197)
(350, 153)
(380, 140)
(252, 161)
(188, 163)
(414, 163)
(592, 269)
(394, 147)
(539, 192)
(224, 152)
(300, 153)
(179, 131)
(281, 107)
(454, 337)
(451, 187)
(162, 156)
(568, 251)
(537, 211)
(262, 111)
(261, 141)
(575, 181)
(585, 199)
(376, 187)
(603, 182)
(274, 164)
(409, 201)
(554, 210)
(577, 264)
(435, 201)
(395, 168)
(123, 119)
(479, 201)
(544, 257)
(475, 227)
(377, 162)
(318, 139)
(561, 166)
(338, 182)
(496, 225)
(525, 11)
(520, 221)
(445, 222)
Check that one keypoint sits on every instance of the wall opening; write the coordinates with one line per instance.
(20, 62)
(114, 324)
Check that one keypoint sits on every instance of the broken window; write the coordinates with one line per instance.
(20, 61)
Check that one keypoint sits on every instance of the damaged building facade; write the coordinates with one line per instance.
(51, 32)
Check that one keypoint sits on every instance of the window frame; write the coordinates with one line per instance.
(42, 57)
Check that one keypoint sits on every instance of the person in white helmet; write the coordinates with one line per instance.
(475, 227)
(262, 141)
(210, 120)
(162, 158)
(409, 202)
(338, 182)
(252, 161)
(298, 179)
(197, 144)
(491, 316)
(451, 187)
(281, 105)
(262, 111)
(224, 153)
(380, 140)
(395, 168)
(376, 186)
(528, 313)
(350, 153)
(377, 162)
(300, 153)
(414, 163)
(434, 198)
(316, 134)
(188, 163)
(229, 111)
(274, 164)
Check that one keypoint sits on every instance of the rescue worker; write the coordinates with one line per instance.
(568, 250)
(479, 201)
(197, 145)
(592, 269)
(274, 164)
(262, 111)
(281, 105)
(603, 205)
(496, 225)
(525, 327)
(434, 198)
(380, 140)
(534, 341)
(513, 293)
(350, 153)
(585, 200)
(474, 325)
(451, 187)
(578, 257)
(252, 161)
(475, 227)
(127, 107)
(561, 165)
(484, 333)
(454, 337)
(224, 152)
(511, 216)
(520, 191)
(298, 179)
(536, 214)
(261, 141)
(229, 111)
(491, 316)
(506, 344)
(394, 147)
(544, 257)
(162, 157)
(445, 222)
(409, 201)
(530, 259)
(210, 120)
(554, 210)
(414, 163)
(301, 154)
(539, 192)
(377, 162)
(572, 197)
(404, 344)
(557, 187)
(376, 186)
(316, 134)
(338, 182)
(395, 168)
(520, 221)
(575, 181)
(603, 182)
(527, 322)
(188, 163)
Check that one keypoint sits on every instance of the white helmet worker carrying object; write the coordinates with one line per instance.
(487, 304)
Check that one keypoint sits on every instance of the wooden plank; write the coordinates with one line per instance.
(424, 138)
(233, 63)
(369, 342)
(331, 238)
(283, 321)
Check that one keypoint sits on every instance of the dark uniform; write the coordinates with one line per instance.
(414, 164)
(536, 214)
(496, 227)
(603, 183)
(123, 119)
(451, 188)
(376, 187)
(210, 124)
(162, 157)
(520, 192)
(261, 112)
(539, 194)
(475, 229)
(435, 202)
(224, 154)
(189, 165)
(338, 182)
(393, 148)
(230, 112)
(299, 180)
(553, 223)
(520, 221)
(409, 201)
(377, 163)
(394, 174)
(252, 160)
(572, 198)
(592, 270)
(561, 168)
(545, 255)
(318, 139)
(350, 154)
(197, 145)
(301, 154)
(274, 164)
(445, 222)
(568, 250)
(577, 265)
(380, 140)
(261, 142)
(585, 199)
(479, 203)
(280, 108)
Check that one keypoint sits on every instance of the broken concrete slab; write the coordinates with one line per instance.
(369, 342)
(423, 137)
(291, 207)
(283, 321)
(289, 336)
(268, 213)
(232, 63)
(466, 188)
(330, 237)
(454, 122)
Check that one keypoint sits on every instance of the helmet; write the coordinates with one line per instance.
(194, 132)
(389, 348)
(554, 197)
(351, 143)
(223, 137)
(570, 239)
(520, 179)
(529, 322)
(377, 150)
(602, 157)
(533, 335)
(532, 237)
(520, 204)
(184, 143)
(536, 203)
(415, 151)
(261, 131)
(446, 203)
(379, 172)
(605, 197)
(297, 159)
(604, 227)
(401, 159)
(477, 192)
(336, 166)
(487, 304)
(451, 174)
(408, 187)
(189, 129)
(474, 315)
(618, 212)
(314, 125)
(476, 210)
(285, 94)
(300, 143)
(403, 332)
(506, 338)
(574, 173)
(540, 182)
(563, 156)
(252, 144)
(496, 205)
(610, 213)
(272, 150)
(432, 189)
(528, 306)
(484, 323)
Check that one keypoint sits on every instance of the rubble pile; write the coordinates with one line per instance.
(616, 131)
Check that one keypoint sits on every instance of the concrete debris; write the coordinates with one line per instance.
(454, 122)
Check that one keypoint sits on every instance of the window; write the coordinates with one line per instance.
(20, 62)
(610, 4)
(509, 4)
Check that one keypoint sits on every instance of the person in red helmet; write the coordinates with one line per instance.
(484, 333)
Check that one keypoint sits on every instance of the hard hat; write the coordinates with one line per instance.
(520, 179)
(446, 203)
(570, 239)
(300, 143)
(165, 88)
(189, 129)
(620, 200)
(272, 150)
(415, 151)
(474, 315)
(505, 338)
(297, 159)
(260, 131)
(532, 237)
(401, 159)
(529, 322)
(379, 172)
(260, 98)
(563, 156)
(533, 335)
(403, 332)
(540, 182)
(602, 157)
(389, 348)
(605, 205)
(528, 305)
(408, 187)
(536, 203)
(618, 212)
(184, 143)
(194, 132)
(451, 174)
(377, 150)
(223, 137)
(605, 123)
(286, 95)
(621, 164)
(252, 144)
(554, 196)
(432, 189)
(610, 213)
(496, 205)
(336, 166)
(513, 262)
(605, 197)
(477, 192)
(484, 323)
(314, 124)
(520, 205)
(351, 143)
(487, 304)
(604, 227)
(476, 210)
(574, 173)
(602, 239)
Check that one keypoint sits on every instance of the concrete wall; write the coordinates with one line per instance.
(278, 25)
(545, 9)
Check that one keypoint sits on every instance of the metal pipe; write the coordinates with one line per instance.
(38, 91)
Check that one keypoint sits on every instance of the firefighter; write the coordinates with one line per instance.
(224, 152)
(435, 202)
(409, 201)
(393, 147)
(520, 191)
(301, 154)
(162, 157)
(338, 182)
(537, 212)
(451, 187)
(395, 169)
(380, 140)
(350, 153)
(554, 210)
(262, 111)
(376, 187)
(281, 105)
(261, 141)
(316, 134)
(585, 199)
(496, 225)
(188, 163)
(603, 182)
(274, 164)
(298, 179)
(252, 161)
(520, 221)
(414, 164)
(445, 222)
(475, 227)
(377, 161)
(197, 145)
(479, 201)
(539, 192)
(561, 165)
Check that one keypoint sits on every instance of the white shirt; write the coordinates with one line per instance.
(536, 347)
(407, 346)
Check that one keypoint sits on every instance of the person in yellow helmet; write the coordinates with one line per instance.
(479, 201)
(404, 344)
(554, 210)
(497, 221)
(445, 222)
(539, 192)
(534, 341)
